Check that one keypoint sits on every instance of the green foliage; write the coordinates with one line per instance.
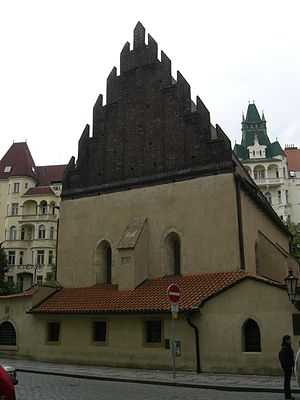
(50, 276)
(5, 286)
(295, 242)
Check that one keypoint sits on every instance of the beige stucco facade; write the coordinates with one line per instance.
(202, 212)
(220, 325)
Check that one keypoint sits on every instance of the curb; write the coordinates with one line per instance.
(163, 383)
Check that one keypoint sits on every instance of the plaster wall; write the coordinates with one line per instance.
(202, 211)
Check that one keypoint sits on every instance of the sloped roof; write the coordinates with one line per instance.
(293, 158)
(42, 190)
(20, 161)
(49, 174)
(132, 233)
(27, 293)
(252, 114)
(151, 296)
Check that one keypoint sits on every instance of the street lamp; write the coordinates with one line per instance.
(291, 285)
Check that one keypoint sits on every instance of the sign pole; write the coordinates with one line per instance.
(173, 293)
(173, 346)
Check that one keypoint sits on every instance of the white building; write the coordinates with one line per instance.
(272, 169)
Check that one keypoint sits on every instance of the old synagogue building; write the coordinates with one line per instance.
(156, 196)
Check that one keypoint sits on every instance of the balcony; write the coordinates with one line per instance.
(269, 181)
(38, 217)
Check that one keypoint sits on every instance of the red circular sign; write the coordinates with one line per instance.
(174, 293)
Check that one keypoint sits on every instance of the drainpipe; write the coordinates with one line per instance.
(196, 331)
(240, 221)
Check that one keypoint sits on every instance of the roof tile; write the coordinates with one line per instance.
(151, 296)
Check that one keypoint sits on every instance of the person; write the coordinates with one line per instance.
(7, 390)
(297, 365)
(286, 358)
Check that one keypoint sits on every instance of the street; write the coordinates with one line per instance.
(50, 387)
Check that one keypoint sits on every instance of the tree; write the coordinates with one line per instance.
(6, 287)
(295, 240)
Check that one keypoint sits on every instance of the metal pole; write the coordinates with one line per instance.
(173, 347)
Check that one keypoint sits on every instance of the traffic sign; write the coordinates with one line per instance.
(173, 293)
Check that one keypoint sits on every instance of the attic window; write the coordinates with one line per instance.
(7, 168)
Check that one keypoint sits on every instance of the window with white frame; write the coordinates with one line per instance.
(16, 188)
(40, 259)
(14, 208)
(13, 233)
(51, 232)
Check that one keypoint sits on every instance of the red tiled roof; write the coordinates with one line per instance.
(27, 293)
(19, 158)
(151, 296)
(50, 173)
(293, 158)
(39, 190)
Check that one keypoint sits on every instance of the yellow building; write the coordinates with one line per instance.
(156, 197)
(29, 204)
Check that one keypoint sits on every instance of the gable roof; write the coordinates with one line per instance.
(27, 293)
(49, 174)
(149, 297)
(42, 190)
(20, 161)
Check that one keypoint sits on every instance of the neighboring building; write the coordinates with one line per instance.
(157, 196)
(29, 204)
(269, 167)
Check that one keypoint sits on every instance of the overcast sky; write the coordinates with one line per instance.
(56, 56)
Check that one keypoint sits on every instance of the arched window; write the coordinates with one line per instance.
(43, 207)
(268, 196)
(251, 336)
(172, 244)
(42, 232)
(13, 233)
(8, 335)
(51, 232)
(103, 263)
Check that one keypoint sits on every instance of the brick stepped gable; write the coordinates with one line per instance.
(149, 131)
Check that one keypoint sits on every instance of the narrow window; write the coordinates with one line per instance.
(22, 233)
(50, 258)
(13, 233)
(42, 232)
(16, 188)
(11, 258)
(21, 259)
(268, 196)
(152, 331)
(53, 331)
(279, 196)
(99, 331)
(251, 335)
(14, 209)
(108, 265)
(40, 257)
(177, 257)
(51, 232)
(287, 196)
(7, 334)
(39, 279)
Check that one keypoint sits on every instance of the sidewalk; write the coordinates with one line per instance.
(228, 382)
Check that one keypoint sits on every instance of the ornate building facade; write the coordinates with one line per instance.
(269, 166)
(29, 211)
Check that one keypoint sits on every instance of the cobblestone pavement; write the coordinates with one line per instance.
(230, 382)
(34, 386)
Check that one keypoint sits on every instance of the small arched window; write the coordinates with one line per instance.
(251, 336)
(172, 244)
(13, 233)
(103, 263)
(43, 207)
(42, 232)
(8, 335)
(268, 196)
